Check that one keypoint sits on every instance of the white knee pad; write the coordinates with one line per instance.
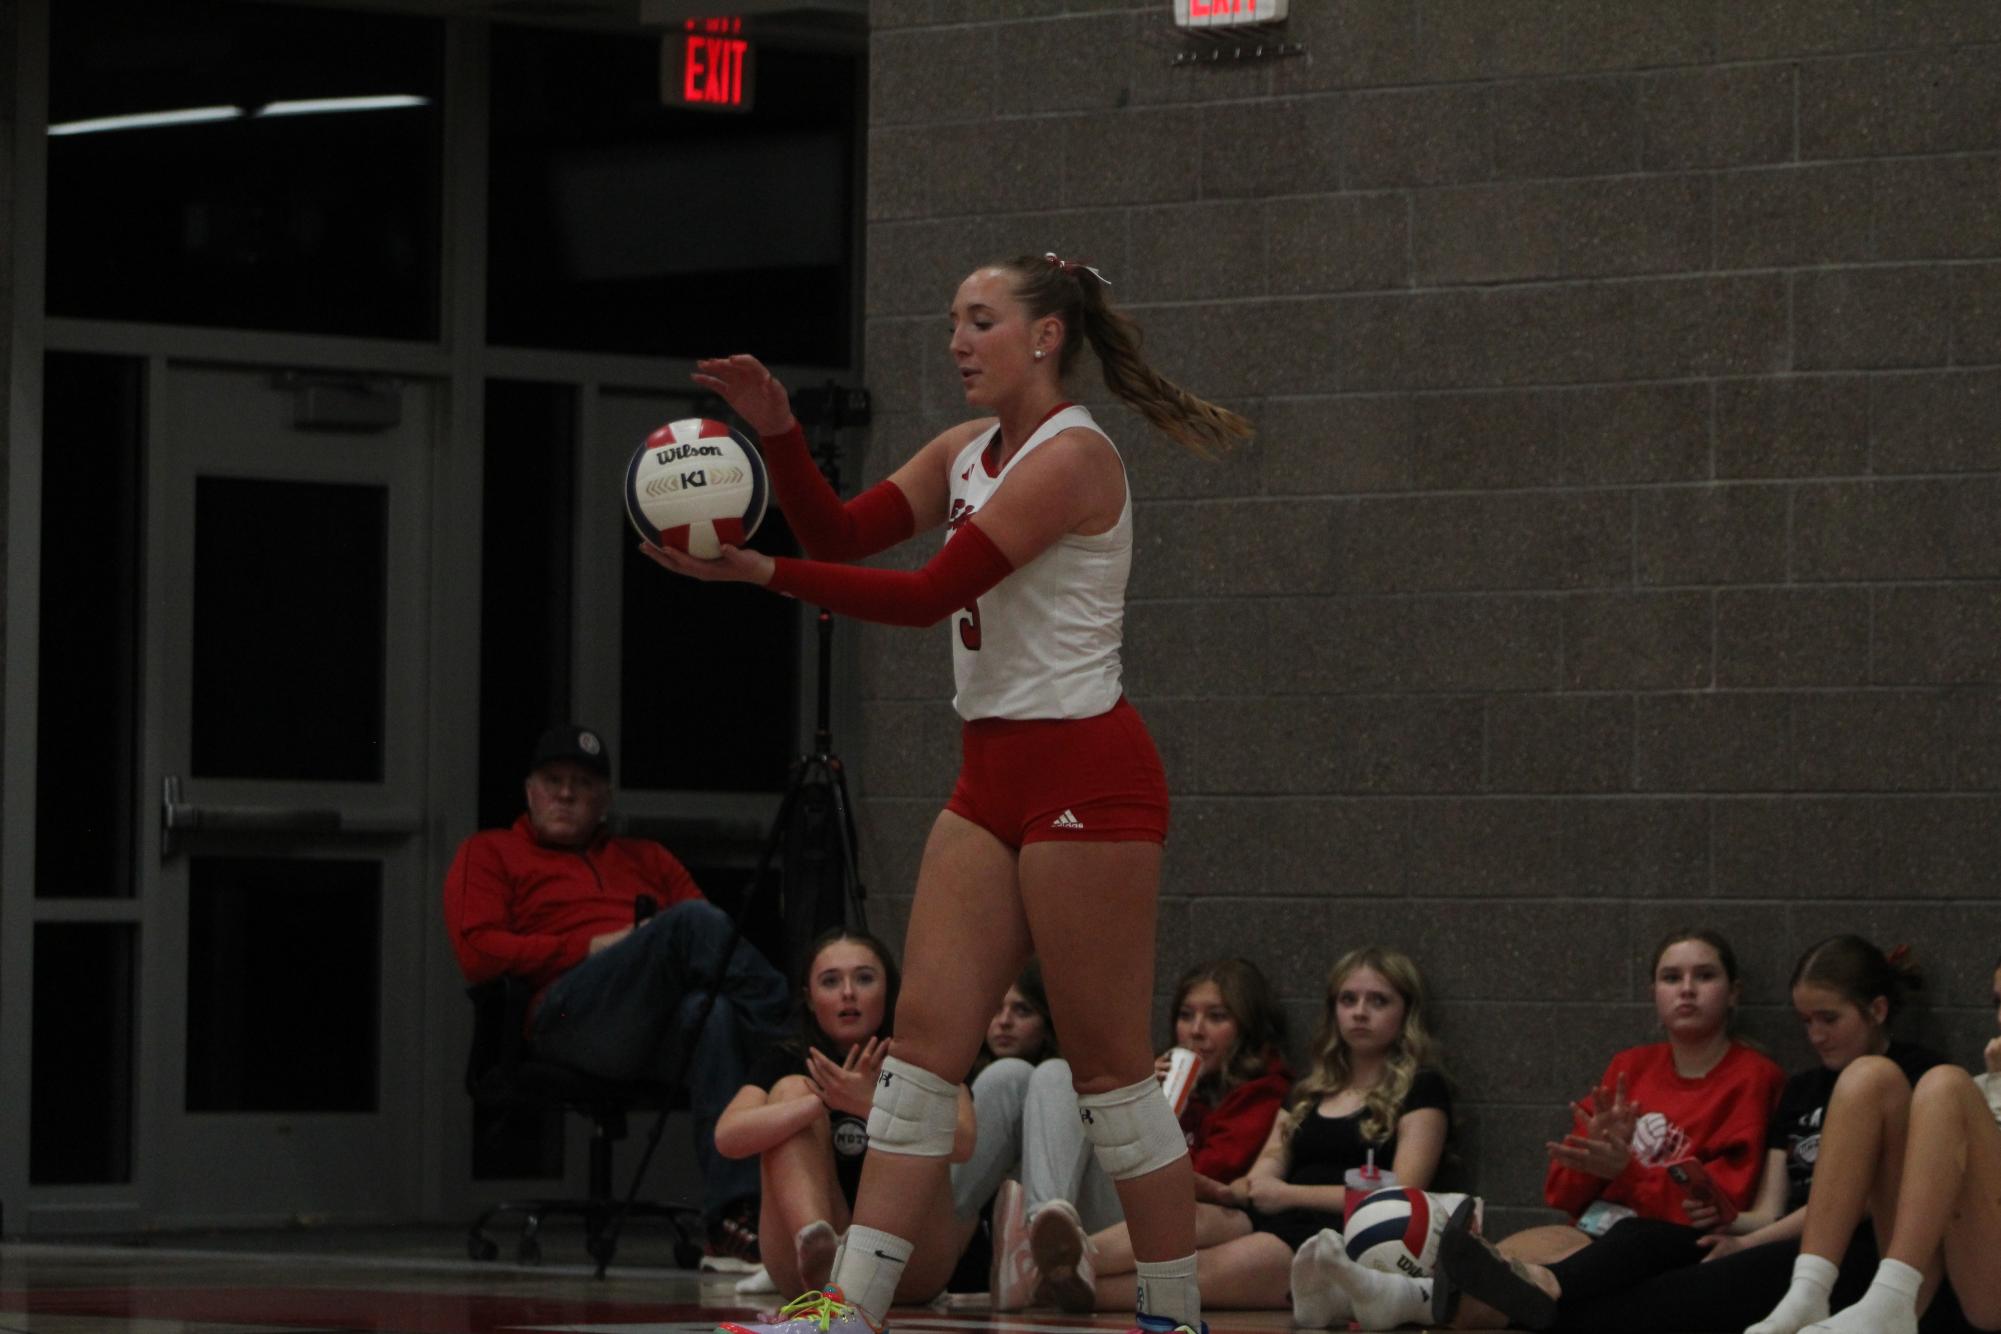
(1132, 1130)
(914, 1112)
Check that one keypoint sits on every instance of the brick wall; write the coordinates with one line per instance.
(1621, 546)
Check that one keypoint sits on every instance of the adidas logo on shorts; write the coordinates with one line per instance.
(1067, 820)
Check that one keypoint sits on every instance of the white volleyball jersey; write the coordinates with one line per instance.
(1043, 642)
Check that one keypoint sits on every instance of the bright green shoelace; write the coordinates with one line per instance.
(819, 1307)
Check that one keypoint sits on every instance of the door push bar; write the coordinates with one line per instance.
(178, 817)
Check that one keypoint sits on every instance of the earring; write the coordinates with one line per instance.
(1038, 354)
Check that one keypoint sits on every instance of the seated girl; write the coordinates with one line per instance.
(1222, 1011)
(1374, 1089)
(1647, 1277)
(804, 1113)
(1020, 1036)
(1932, 1180)
(1699, 1096)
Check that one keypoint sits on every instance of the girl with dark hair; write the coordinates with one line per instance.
(803, 1115)
(1224, 1013)
(1050, 844)
(1020, 1038)
(1374, 1088)
(1021, 1028)
(1929, 1172)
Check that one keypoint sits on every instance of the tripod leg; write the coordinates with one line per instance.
(844, 826)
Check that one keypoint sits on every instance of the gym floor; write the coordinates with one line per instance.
(411, 1281)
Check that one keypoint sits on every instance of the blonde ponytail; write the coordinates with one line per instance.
(1075, 293)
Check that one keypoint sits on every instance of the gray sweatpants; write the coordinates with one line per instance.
(1028, 1126)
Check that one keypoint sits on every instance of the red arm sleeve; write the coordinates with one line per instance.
(967, 566)
(875, 520)
(477, 895)
(1236, 1131)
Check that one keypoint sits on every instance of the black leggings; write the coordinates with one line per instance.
(1647, 1277)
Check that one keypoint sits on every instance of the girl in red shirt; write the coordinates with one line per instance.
(1701, 1094)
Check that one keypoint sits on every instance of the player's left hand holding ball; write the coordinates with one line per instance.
(735, 565)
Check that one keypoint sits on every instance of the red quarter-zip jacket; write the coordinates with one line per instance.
(516, 906)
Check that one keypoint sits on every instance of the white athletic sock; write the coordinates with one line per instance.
(1317, 1300)
(1167, 1291)
(1889, 1307)
(1382, 1301)
(868, 1269)
(1805, 1301)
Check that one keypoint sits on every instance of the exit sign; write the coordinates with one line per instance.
(709, 66)
(1226, 13)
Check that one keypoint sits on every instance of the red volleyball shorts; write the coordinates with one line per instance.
(1088, 780)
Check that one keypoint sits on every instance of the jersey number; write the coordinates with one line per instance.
(969, 628)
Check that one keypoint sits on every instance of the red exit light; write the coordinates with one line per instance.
(708, 66)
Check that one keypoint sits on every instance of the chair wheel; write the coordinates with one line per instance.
(481, 1248)
(687, 1255)
(528, 1251)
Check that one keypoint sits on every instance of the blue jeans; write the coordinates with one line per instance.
(625, 1012)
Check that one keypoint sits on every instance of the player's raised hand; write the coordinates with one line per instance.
(755, 394)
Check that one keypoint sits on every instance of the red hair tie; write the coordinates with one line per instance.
(1898, 956)
(1071, 266)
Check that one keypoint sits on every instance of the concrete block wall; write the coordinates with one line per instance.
(1621, 545)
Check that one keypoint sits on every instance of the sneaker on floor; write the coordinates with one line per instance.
(810, 1313)
(1064, 1256)
(1014, 1278)
(757, 1283)
(732, 1246)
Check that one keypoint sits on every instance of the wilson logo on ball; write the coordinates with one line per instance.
(696, 509)
(680, 452)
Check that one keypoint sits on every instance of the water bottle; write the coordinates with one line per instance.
(1360, 1181)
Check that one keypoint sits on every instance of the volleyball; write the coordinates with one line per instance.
(1396, 1230)
(695, 485)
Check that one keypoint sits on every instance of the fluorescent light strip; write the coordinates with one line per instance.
(311, 106)
(147, 120)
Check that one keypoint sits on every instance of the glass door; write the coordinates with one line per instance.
(285, 737)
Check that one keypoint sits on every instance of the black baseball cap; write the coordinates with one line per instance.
(581, 745)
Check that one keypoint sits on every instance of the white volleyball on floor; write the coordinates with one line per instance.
(695, 485)
(1396, 1230)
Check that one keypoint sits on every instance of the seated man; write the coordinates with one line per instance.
(558, 900)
